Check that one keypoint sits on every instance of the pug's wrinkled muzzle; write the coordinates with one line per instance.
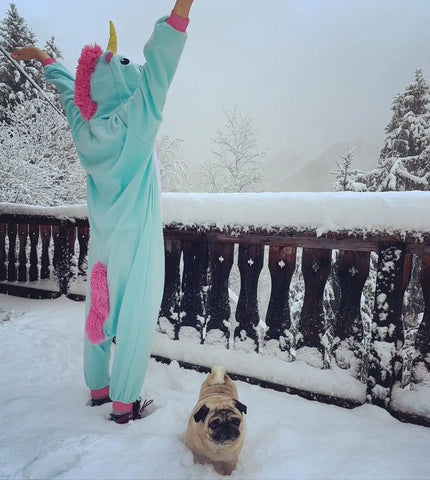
(225, 433)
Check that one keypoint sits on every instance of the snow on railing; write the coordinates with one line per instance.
(327, 288)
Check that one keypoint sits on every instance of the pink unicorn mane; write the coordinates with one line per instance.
(86, 66)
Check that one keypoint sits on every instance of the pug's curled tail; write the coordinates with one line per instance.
(217, 375)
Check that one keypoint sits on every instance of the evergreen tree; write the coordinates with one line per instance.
(52, 49)
(14, 87)
(404, 162)
(51, 92)
(347, 178)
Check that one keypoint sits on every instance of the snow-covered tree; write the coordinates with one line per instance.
(38, 160)
(404, 162)
(52, 49)
(235, 167)
(14, 87)
(173, 171)
(347, 178)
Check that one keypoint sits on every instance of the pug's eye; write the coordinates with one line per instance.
(215, 423)
(235, 421)
(125, 61)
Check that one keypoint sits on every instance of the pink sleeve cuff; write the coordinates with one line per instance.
(177, 22)
(48, 61)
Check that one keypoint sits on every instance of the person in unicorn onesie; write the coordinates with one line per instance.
(114, 108)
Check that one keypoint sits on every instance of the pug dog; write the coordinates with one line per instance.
(216, 427)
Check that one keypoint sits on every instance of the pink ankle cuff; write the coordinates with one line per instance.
(101, 392)
(177, 22)
(122, 407)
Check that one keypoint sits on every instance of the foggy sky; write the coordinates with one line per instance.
(317, 74)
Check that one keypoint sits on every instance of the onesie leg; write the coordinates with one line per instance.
(133, 350)
(137, 321)
(96, 363)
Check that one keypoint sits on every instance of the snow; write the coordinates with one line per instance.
(390, 212)
(298, 374)
(47, 431)
(64, 212)
(414, 401)
(337, 211)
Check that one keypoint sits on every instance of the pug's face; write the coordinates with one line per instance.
(222, 423)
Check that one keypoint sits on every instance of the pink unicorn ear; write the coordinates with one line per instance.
(86, 66)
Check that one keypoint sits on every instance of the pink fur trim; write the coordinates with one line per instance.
(86, 66)
(99, 307)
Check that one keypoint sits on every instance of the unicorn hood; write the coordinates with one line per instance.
(104, 80)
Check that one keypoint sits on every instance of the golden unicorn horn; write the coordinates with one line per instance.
(112, 45)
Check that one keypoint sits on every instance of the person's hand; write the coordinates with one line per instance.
(28, 53)
(182, 8)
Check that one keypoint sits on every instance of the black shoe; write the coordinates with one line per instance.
(96, 402)
(135, 414)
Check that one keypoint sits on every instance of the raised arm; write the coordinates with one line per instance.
(56, 73)
(62, 79)
(162, 53)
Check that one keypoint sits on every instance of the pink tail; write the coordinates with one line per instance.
(99, 307)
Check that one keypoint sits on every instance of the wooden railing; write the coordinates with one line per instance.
(343, 360)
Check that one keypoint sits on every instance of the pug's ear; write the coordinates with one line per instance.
(240, 406)
(201, 413)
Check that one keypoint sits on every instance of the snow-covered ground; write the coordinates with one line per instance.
(47, 431)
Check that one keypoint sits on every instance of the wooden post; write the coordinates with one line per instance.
(22, 256)
(3, 272)
(45, 233)
(353, 272)
(11, 269)
(194, 286)
(170, 305)
(250, 264)
(56, 257)
(64, 240)
(422, 343)
(316, 264)
(34, 240)
(282, 261)
(218, 301)
(83, 239)
(387, 329)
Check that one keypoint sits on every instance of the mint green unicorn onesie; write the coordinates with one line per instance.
(114, 109)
